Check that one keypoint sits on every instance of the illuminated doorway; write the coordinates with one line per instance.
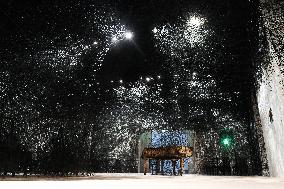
(164, 138)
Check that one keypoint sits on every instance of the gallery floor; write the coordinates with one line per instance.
(137, 181)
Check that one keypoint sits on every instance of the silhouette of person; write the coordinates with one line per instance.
(270, 115)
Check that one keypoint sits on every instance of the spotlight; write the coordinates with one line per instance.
(155, 30)
(86, 47)
(226, 141)
(195, 21)
(148, 79)
(128, 35)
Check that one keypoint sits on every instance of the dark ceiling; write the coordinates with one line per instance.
(27, 27)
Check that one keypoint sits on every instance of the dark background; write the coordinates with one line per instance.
(38, 98)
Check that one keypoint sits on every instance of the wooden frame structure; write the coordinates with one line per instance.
(173, 153)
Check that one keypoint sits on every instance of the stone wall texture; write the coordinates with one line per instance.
(270, 94)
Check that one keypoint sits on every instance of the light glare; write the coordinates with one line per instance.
(195, 21)
(226, 141)
(155, 30)
(128, 35)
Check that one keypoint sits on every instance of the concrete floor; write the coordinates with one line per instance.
(136, 181)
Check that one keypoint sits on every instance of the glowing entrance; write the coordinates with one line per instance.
(165, 138)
